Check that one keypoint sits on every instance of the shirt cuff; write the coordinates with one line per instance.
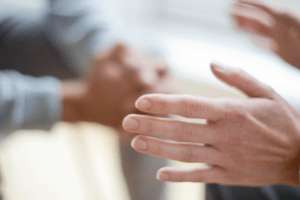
(43, 104)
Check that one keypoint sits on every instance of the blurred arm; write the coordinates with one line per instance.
(27, 102)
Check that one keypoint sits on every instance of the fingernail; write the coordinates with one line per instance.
(163, 176)
(143, 104)
(131, 124)
(218, 66)
(139, 144)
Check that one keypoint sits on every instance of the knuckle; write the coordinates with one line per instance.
(236, 72)
(182, 132)
(201, 179)
(162, 106)
(190, 155)
(236, 112)
(149, 129)
(181, 179)
(234, 142)
(240, 114)
(234, 177)
(236, 158)
(187, 132)
(192, 107)
(158, 150)
(286, 16)
(269, 90)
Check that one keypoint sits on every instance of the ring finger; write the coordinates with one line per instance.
(184, 152)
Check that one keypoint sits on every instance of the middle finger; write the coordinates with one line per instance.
(170, 129)
(184, 152)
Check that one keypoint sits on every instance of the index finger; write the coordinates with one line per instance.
(259, 6)
(183, 105)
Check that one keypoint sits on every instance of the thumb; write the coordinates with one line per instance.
(241, 80)
(115, 52)
(118, 50)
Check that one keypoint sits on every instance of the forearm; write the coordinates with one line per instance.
(37, 103)
(27, 102)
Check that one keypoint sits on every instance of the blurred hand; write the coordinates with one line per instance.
(253, 141)
(119, 77)
(282, 29)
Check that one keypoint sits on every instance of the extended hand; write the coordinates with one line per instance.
(282, 29)
(253, 141)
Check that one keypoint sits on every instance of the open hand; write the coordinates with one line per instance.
(250, 141)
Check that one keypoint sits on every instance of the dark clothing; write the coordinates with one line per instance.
(24, 47)
(278, 192)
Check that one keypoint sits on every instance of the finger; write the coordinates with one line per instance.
(114, 53)
(184, 152)
(201, 174)
(110, 71)
(164, 86)
(141, 71)
(252, 22)
(253, 25)
(242, 81)
(260, 6)
(146, 78)
(183, 105)
(290, 22)
(169, 129)
(152, 72)
(162, 68)
(119, 50)
(266, 43)
(142, 78)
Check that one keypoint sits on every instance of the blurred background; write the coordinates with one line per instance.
(188, 34)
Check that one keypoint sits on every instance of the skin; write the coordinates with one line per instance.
(119, 76)
(250, 141)
(281, 29)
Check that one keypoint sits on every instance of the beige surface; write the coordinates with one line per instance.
(72, 162)
(82, 161)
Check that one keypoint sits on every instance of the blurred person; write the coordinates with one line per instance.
(78, 39)
(249, 142)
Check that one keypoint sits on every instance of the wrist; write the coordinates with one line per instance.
(72, 94)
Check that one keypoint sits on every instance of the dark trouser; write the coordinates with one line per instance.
(140, 172)
(278, 192)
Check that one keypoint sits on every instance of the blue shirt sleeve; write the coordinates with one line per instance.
(27, 102)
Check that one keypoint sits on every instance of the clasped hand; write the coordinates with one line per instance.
(119, 77)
